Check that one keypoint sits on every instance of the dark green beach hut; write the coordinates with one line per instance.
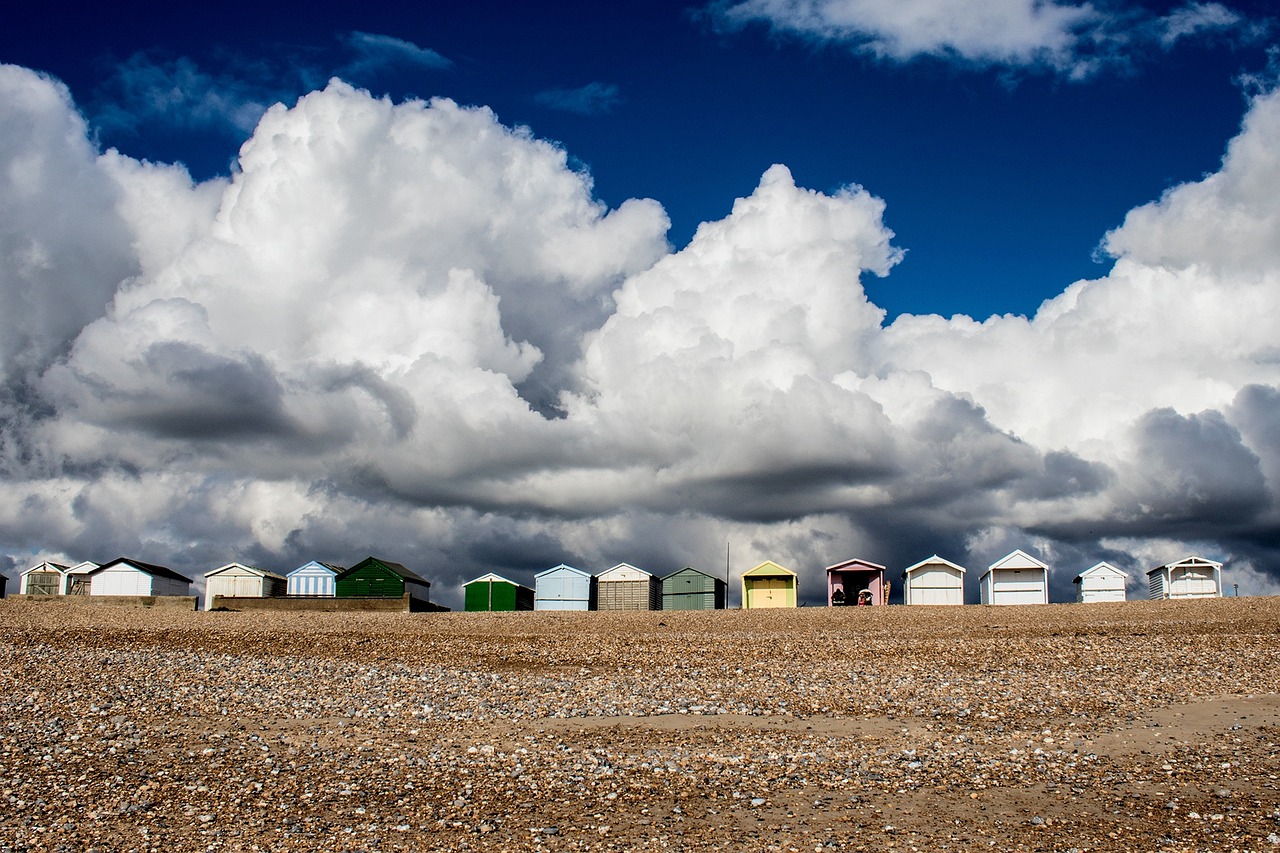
(690, 589)
(495, 593)
(374, 578)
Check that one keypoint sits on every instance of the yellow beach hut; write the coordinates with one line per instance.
(768, 585)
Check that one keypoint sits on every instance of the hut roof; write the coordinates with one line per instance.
(145, 568)
(935, 560)
(394, 568)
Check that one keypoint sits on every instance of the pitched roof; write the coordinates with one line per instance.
(854, 564)
(935, 560)
(394, 568)
(146, 568)
(1101, 568)
(695, 571)
(1016, 560)
(330, 566)
(495, 578)
(251, 569)
(563, 568)
(58, 567)
(768, 569)
(1187, 562)
(623, 571)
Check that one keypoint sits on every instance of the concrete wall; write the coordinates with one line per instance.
(327, 605)
(168, 602)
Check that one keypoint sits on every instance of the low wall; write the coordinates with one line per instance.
(168, 602)
(327, 605)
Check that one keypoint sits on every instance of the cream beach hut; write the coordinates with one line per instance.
(769, 585)
(625, 587)
(236, 580)
(43, 579)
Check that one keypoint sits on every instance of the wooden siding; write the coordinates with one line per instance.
(374, 580)
(690, 589)
(627, 595)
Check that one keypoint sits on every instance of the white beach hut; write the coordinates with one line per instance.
(78, 577)
(134, 577)
(1103, 582)
(933, 581)
(1190, 577)
(236, 580)
(1017, 578)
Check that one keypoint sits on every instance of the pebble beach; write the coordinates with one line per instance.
(1138, 726)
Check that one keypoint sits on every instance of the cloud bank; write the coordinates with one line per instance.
(407, 329)
(1074, 39)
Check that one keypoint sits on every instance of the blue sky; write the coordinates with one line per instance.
(1001, 176)
(591, 284)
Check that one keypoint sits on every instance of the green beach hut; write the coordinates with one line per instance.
(690, 589)
(375, 578)
(495, 593)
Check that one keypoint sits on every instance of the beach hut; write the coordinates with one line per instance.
(375, 578)
(690, 589)
(933, 581)
(1016, 578)
(314, 580)
(495, 593)
(78, 577)
(564, 588)
(1190, 577)
(769, 585)
(856, 582)
(133, 577)
(1103, 582)
(43, 579)
(236, 580)
(625, 587)
(4, 583)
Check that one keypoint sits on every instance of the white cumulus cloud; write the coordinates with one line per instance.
(410, 329)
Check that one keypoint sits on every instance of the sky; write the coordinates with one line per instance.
(491, 289)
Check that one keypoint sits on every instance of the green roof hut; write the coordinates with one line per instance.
(495, 593)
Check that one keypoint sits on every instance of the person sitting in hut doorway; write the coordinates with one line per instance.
(837, 597)
(864, 598)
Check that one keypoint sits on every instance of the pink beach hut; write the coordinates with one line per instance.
(854, 582)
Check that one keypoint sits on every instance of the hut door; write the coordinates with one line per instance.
(43, 583)
(771, 592)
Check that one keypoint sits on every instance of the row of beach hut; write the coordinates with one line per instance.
(1017, 578)
(372, 577)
